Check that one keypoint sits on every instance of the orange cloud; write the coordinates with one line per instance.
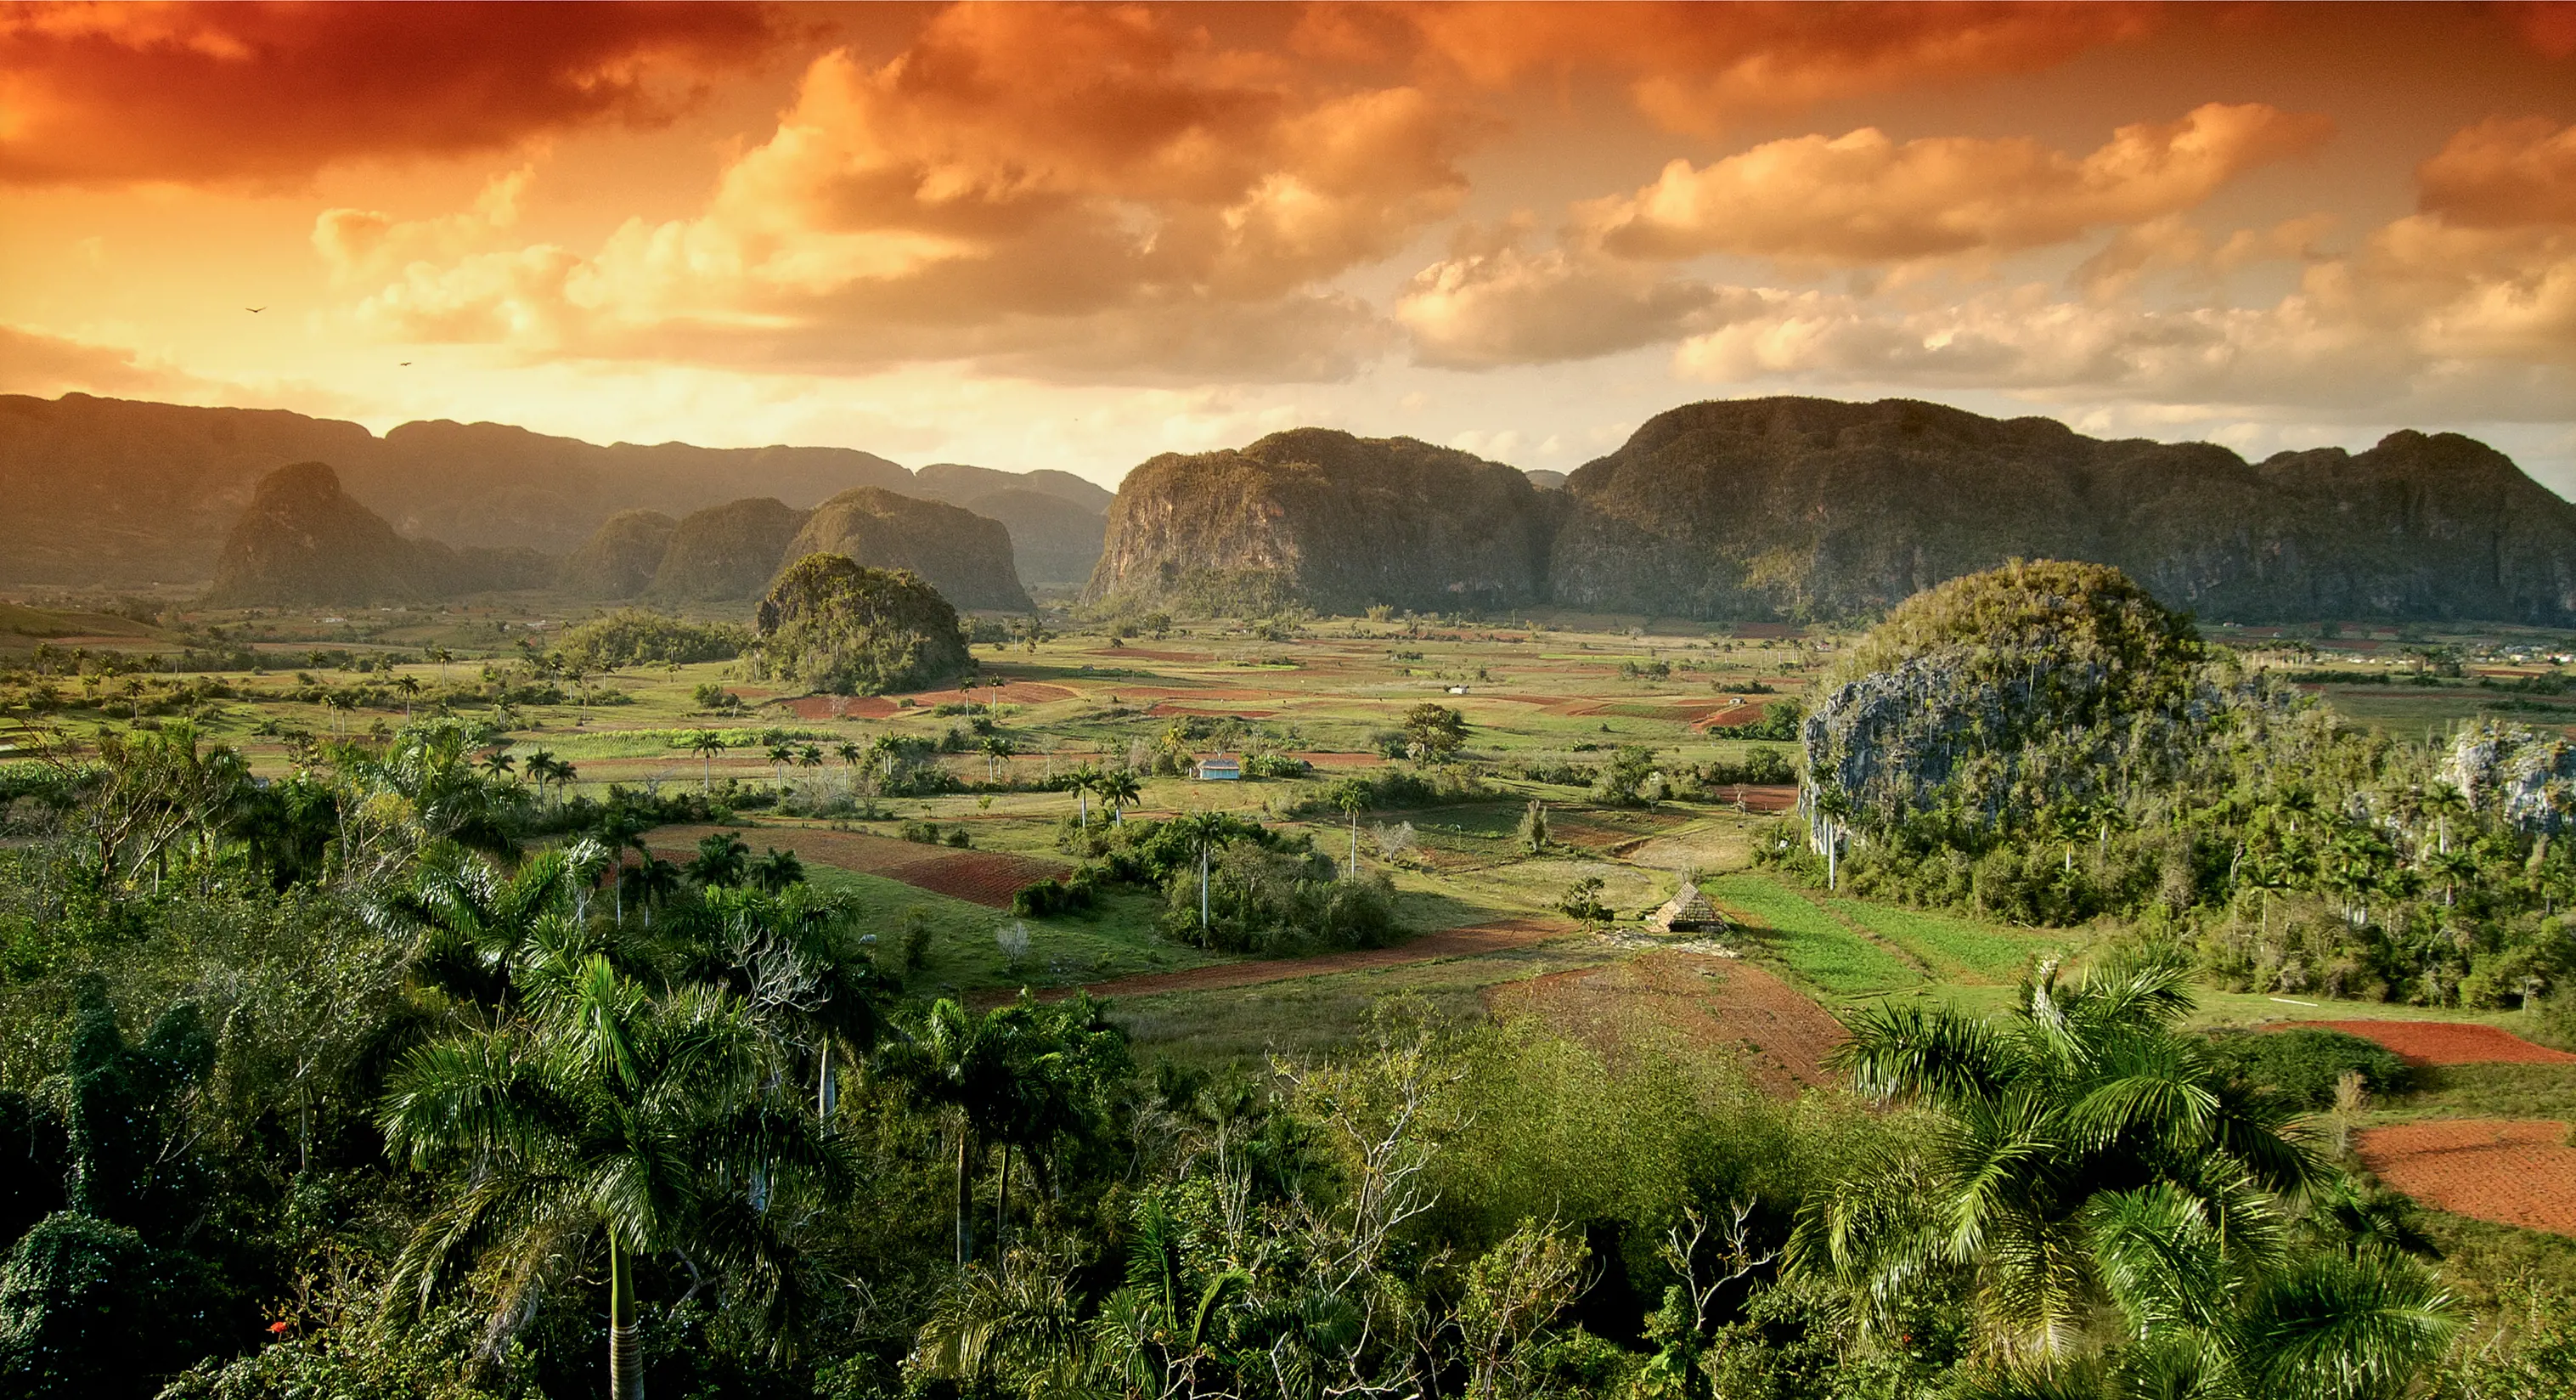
(32, 362)
(2502, 173)
(1862, 198)
(221, 92)
(1048, 190)
(1700, 67)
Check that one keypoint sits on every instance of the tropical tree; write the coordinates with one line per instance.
(471, 927)
(1203, 829)
(955, 1059)
(780, 755)
(1352, 798)
(606, 1121)
(2098, 1193)
(1121, 788)
(706, 744)
(410, 687)
(775, 871)
(1084, 780)
(996, 748)
(849, 753)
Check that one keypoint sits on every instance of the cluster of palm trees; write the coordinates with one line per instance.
(1118, 789)
(2116, 1214)
(600, 1103)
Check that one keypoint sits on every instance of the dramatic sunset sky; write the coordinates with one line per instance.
(1030, 236)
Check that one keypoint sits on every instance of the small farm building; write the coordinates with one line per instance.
(1220, 768)
(1688, 911)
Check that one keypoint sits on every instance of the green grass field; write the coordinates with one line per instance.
(1810, 942)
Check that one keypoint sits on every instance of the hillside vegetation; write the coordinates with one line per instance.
(1812, 509)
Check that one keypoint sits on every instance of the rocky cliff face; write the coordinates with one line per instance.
(1329, 520)
(1794, 508)
(727, 551)
(962, 554)
(1768, 508)
(621, 556)
(303, 540)
(1052, 540)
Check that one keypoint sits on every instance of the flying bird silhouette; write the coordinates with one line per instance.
(406, 362)
(254, 310)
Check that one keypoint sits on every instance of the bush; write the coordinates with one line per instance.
(1048, 898)
(634, 637)
(2301, 1066)
(831, 625)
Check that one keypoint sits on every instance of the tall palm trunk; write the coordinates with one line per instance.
(1203, 887)
(827, 1091)
(625, 1344)
(1002, 1205)
(965, 1196)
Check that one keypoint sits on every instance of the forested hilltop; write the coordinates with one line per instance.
(1813, 509)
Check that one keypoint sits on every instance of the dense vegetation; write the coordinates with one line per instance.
(2046, 744)
(634, 637)
(829, 624)
(345, 1085)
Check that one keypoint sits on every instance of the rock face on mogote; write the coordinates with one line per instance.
(727, 551)
(620, 557)
(1332, 521)
(302, 540)
(962, 554)
(1794, 507)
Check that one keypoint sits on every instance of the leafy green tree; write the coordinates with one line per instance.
(609, 1121)
(1433, 732)
(832, 625)
(722, 860)
(2084, 1158)
(775, 871)
(706, 744)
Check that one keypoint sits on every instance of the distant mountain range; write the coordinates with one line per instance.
(119, 492)
(1765, 509)
(1752, 509)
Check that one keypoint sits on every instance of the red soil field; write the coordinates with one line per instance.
(988, 878)
(1012, 692)
(2513, 1173)
(1626, 1007)
(2443, 1042)
(1447, 943)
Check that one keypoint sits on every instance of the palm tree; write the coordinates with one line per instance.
(499, 763)
(473, 928)
(1353, 798)
(656, 880)
(722, 857)
(955, 1060)
(809, 756)
(609, 1115)
(1204, 829)
(996, 748)
(410, 687)
(2443, 802)
(2451, 867)
(706, 744)
(2084, 1158)
(1082, 780)
(1121, 789)
(580, 694)
(543, 769)
(441, 656)
(775, 871)
(849, 754)
(780, 755)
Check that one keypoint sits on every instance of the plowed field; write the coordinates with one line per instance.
(982, 877)
(2443, 1042)
(2514, 1173)
(1447, 943)
(1724, 1004)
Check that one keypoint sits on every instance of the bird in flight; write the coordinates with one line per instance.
(254, 310)
(406, 363)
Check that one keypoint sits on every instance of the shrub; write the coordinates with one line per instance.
(634, 637)
(2301, 1066)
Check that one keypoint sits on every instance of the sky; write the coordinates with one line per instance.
(1077, 236)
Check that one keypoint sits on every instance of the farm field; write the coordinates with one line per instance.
(1546, 709)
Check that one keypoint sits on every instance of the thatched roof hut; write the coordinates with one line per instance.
(1688, 911)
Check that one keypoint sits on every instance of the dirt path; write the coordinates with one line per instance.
(1447, 943)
